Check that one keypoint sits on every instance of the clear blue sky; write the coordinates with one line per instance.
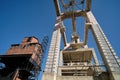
(20, 18)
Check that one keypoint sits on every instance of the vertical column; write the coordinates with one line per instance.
(106, 49)
(109, 57)
(53, 54)
(54, 50)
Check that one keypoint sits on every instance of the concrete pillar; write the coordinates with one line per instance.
(53, 54)
(108, 55)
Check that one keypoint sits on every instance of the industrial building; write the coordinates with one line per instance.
(22, 61)
(75, 61)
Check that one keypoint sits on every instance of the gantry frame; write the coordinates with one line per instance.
(108, 55)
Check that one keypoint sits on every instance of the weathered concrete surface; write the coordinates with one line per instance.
(49, 76)
(115, 76)
(75, 78)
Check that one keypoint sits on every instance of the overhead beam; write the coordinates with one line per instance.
(68, 14)
(76, 14)
(57, 7)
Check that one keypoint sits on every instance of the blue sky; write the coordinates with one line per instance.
(21, 18)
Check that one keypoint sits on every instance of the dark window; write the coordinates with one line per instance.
(29, 39)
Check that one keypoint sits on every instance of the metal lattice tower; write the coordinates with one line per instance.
(76, 61)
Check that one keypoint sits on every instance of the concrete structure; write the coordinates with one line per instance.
(53, 56)
(22, 61)
(76, 61)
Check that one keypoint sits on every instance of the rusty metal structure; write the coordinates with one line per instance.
(22, 61)
(76, 61)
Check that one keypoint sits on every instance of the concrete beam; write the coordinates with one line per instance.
(62, 30)
(77, 13)
(57, 7)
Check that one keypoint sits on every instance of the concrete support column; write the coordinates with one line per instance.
(108, 55)
(53, 54)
